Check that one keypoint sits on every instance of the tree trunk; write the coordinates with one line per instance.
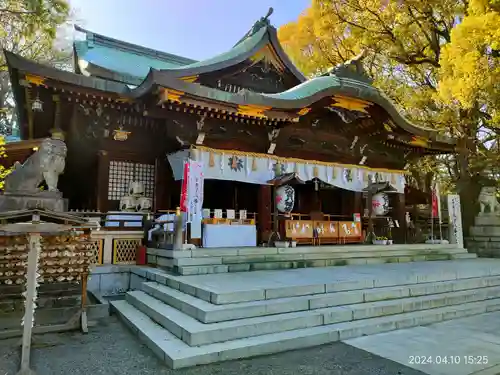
(468, 185)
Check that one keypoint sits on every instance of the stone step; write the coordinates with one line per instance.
(464, 256)
(196, 333)
(178, 354)
(243, 251)
(262, 264)
(207, 312)
(223, 260)
(354, 278)
(306, 256)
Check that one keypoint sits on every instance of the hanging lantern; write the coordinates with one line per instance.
(380, 204)
(37, 105)
(285, 198)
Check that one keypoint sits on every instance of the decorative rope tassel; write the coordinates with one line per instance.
(334, 173)
(254, 164)
(211, 161)
(315, 171)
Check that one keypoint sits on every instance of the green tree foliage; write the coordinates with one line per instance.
(3, 171)
(437, 59)
(28, 28)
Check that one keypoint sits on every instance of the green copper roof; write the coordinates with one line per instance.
(130, 63)
(307, 88)
(247, 45)
(261, 34)
(338, 82)
(133, 62)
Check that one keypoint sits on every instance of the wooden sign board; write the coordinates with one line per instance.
(299, 228)
(327, 229)
(349, 229)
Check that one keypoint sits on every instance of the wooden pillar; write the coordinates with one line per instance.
(31, 286)
(235, 197)
(102, 180)
(161, 199)
(264, 211)
(316, 201)
(370, 229)
(358, 203)
(399, 215)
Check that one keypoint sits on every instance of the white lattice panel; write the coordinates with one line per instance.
(121, 174)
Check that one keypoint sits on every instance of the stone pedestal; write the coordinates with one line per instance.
(46, 200)
(484, 237)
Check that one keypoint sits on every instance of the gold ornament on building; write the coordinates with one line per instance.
(120, 134)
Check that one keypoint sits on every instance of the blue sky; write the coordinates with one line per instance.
(192, 28)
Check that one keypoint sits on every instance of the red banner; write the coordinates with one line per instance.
(184, 189)
(435, 206)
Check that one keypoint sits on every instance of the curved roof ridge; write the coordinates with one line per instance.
(261, 34)
(250, 44)
(365, 91)
(300, 96)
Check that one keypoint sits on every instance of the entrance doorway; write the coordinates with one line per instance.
(222, 194)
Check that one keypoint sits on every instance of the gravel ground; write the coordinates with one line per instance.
(111, 349)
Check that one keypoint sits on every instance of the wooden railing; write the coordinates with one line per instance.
(326, 217)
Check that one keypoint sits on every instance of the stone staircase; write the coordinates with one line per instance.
(223, 260)
(194, 320)
(484, 237)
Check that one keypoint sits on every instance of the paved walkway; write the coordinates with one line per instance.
(112, 350)
(469, 345)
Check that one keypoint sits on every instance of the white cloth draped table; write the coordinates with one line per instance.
(224, 235)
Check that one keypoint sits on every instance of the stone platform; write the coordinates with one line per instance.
(45, 200)
(223, 260)
(484, 237)
(193, 320)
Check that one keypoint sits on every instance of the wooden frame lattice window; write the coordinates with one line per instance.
(124, 250)
(97, 246)
(122, 173)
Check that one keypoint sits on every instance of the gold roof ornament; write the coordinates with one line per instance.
(120, 134)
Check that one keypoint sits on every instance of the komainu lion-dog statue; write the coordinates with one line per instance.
(46, 164)
(487, 198)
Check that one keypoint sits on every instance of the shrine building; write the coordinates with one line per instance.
(249, 117)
